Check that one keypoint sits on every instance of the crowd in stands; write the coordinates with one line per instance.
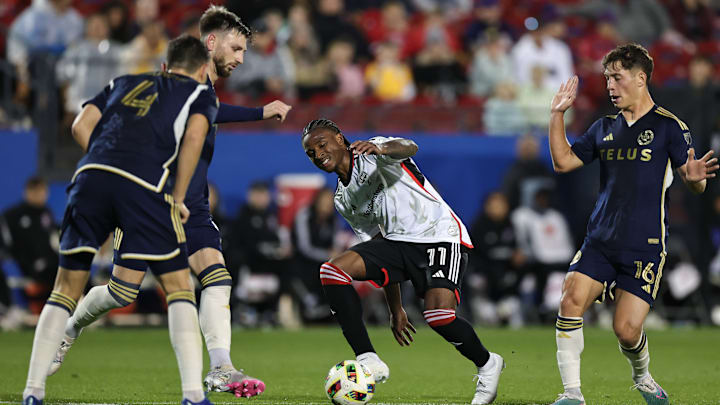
(506, 58)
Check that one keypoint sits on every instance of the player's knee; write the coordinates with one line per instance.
(331, 274)
(125, 293)
(439, 317)
(215, 275)
(627, 332)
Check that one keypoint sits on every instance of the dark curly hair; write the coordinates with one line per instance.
(630, 56)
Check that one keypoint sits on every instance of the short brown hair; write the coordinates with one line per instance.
(218, 18)
(630, 56)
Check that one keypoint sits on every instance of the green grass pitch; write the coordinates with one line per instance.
(138, 366)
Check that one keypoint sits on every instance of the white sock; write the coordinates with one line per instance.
(48, 335)
(96, 303)
(639, 358)
(215, 323)
(186, 341)
(570, 344)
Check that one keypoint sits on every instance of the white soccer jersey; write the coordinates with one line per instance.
(391, 196)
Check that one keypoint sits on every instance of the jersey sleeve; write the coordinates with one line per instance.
(384, 159)
(100, 100)
(679, 141)
(585, 147)
(207, 105)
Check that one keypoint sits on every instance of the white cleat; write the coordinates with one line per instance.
(488, 378)
(60, 354)
(379, 370)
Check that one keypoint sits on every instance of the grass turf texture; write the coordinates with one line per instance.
(138, 366)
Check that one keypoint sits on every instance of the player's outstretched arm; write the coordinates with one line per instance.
(399, 323)
(695, 172)
(563, 158)
(235, 113)
(396, 148)
(84, 124)
(192, 145)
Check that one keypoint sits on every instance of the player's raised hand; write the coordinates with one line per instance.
(700, 169)
(365, 148)
(565, 97)
(184, 212)
(401, 328)
(276, 109)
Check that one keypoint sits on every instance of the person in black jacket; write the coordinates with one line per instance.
(30, 237)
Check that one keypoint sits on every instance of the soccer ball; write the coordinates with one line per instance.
(349, 383)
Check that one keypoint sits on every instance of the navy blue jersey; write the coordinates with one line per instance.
(636, 163)
(197, 193)
(142, 125)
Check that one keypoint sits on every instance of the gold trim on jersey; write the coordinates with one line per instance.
(176, 219)
(142, 256)
(79, 249)
(178, 130)
(612, 116)
(663, 253)
(666, 113)
(112, 169)
(118, 238)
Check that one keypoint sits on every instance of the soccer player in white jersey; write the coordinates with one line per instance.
(408, 233)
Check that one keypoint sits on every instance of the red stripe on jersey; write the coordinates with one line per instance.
(433, 197)
(416, 180)
(467, 245)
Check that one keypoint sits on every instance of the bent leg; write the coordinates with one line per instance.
(630, 315)
(336, 278)
(440, 305)
(121, 291)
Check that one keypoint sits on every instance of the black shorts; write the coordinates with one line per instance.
(426, 265)
(200, 231)
(99, 202)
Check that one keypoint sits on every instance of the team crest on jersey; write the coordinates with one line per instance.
(646, 137)
(688, 138)
(363, 176)
(452, 230)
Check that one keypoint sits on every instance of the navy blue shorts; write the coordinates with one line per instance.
(147, 225)
(200, 230)
(637, 272)
(426, 265)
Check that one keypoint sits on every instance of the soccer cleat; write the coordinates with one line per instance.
(379, 370)
(186, 401)
(236, 382)
(565, 399)
(488, 381)
(60, 355)
(652, 392)
(31, 400)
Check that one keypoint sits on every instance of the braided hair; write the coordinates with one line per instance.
(323, 123)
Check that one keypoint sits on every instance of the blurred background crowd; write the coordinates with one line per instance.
(485, 68)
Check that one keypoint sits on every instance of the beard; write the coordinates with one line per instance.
(222, 69)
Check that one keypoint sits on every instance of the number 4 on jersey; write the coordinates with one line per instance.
(143, 104)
